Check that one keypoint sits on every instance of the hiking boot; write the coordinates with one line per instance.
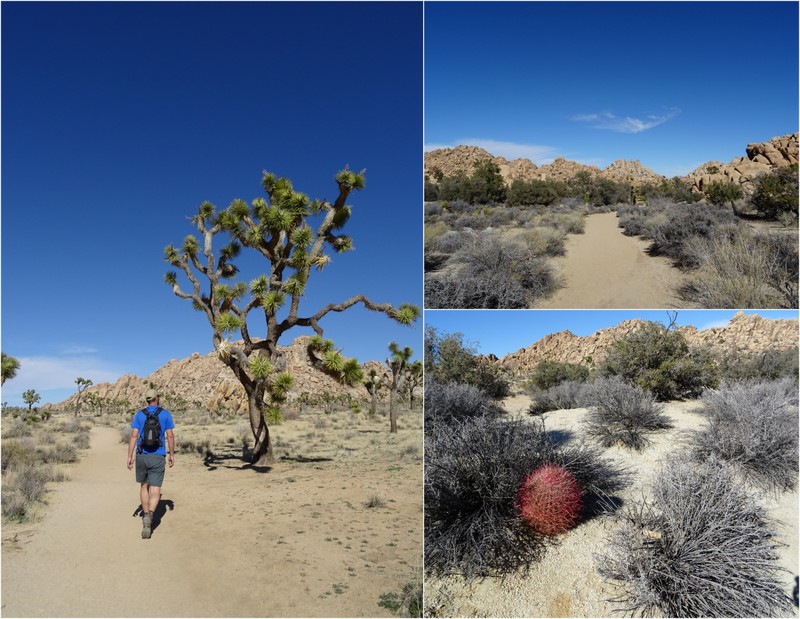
(147, 523)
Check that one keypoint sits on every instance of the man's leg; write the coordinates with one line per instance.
(155, 497)
(144, 496)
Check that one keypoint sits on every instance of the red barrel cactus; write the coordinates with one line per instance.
(550, 500)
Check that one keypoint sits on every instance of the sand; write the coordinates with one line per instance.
(605, 269)
(565, 583)
(295, 540)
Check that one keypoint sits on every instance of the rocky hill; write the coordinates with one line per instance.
(207, 383)
(450, 161)
(745, 332)
(760, 157)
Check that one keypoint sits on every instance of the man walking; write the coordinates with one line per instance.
(149, 429)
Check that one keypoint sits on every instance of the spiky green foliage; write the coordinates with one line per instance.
(278, 228)
(228, 323)
(274, 415)
(352, 372)
(10, 366)
(259, 367)
(279, 389)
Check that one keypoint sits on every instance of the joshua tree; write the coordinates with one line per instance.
(30, 397)
(415, 373)
(83, 384)
(10, 367)
(398, 363)
(280, 230)
(373, 383)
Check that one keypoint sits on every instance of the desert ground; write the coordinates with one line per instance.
(604, 269)
(330, 528)
(565, 583)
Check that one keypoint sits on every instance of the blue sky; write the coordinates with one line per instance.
(672, 84)
(500, 332)
(119, 119)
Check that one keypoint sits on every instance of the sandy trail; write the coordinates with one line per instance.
(232, 542)
(605, 269)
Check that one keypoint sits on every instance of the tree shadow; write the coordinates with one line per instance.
(213, 461)
(304, 459)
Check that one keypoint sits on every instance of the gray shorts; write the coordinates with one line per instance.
(150, 469)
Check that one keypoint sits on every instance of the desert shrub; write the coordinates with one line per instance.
(744, 271)
(431, 209)
(18, 453)
(564, 222)
(24, 485)
(548, 374)
(60, 453)
(700, 547)
(448, 401)
(474, 469)
(16, 428)
(621, 413)
(544, 241)
(769, 364)
(720, 193)
(550, 500)
(776, 192)
(568, 394)
(500, 216)
(659, 360)
(753, 426)
(682, 222)
(450, 358)
(531, 192)
(632, 220)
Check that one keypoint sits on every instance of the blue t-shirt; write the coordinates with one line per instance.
(164, 418)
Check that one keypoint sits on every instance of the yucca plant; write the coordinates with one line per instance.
(278, 228)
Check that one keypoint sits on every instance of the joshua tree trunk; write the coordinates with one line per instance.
(393, 410)
(262, 450)
(374, 406)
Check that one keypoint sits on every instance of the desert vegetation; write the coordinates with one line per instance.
(733, 259)
(279, 229)
(489, 244)
(35, 451)
(663, 464)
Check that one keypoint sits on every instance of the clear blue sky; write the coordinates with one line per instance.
(119, 119)
(500, 332)
(673, 84)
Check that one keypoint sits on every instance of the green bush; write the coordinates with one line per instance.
(660, 361)
(776, 193)
(548, 374)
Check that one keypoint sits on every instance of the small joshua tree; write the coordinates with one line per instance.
(373, 383)
(414, 380)
(278, 228)
(30, 397)
(83, 384)
(397, 363)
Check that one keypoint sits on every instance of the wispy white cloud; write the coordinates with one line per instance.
(538, 153)
(626, 124)
(79, 350)
(56, 375)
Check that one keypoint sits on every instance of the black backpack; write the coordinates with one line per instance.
(151, 433)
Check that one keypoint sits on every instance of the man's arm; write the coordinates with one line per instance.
(170, 447)
(132, 446)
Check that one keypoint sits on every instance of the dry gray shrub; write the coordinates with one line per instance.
(446, 402)
(622, 413)
(700, 547)
(569, 394)
(474, 468)
(753, 425)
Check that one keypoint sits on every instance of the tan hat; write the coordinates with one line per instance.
(151, 395)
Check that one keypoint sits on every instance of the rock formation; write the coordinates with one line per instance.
(761, 158)
(745, 333)
(207, 383)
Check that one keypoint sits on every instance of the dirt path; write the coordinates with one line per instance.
(605, 269)
(232, 542)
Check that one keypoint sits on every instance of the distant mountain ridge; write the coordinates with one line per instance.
(760, 157)
(208, 382)
(745, 333)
